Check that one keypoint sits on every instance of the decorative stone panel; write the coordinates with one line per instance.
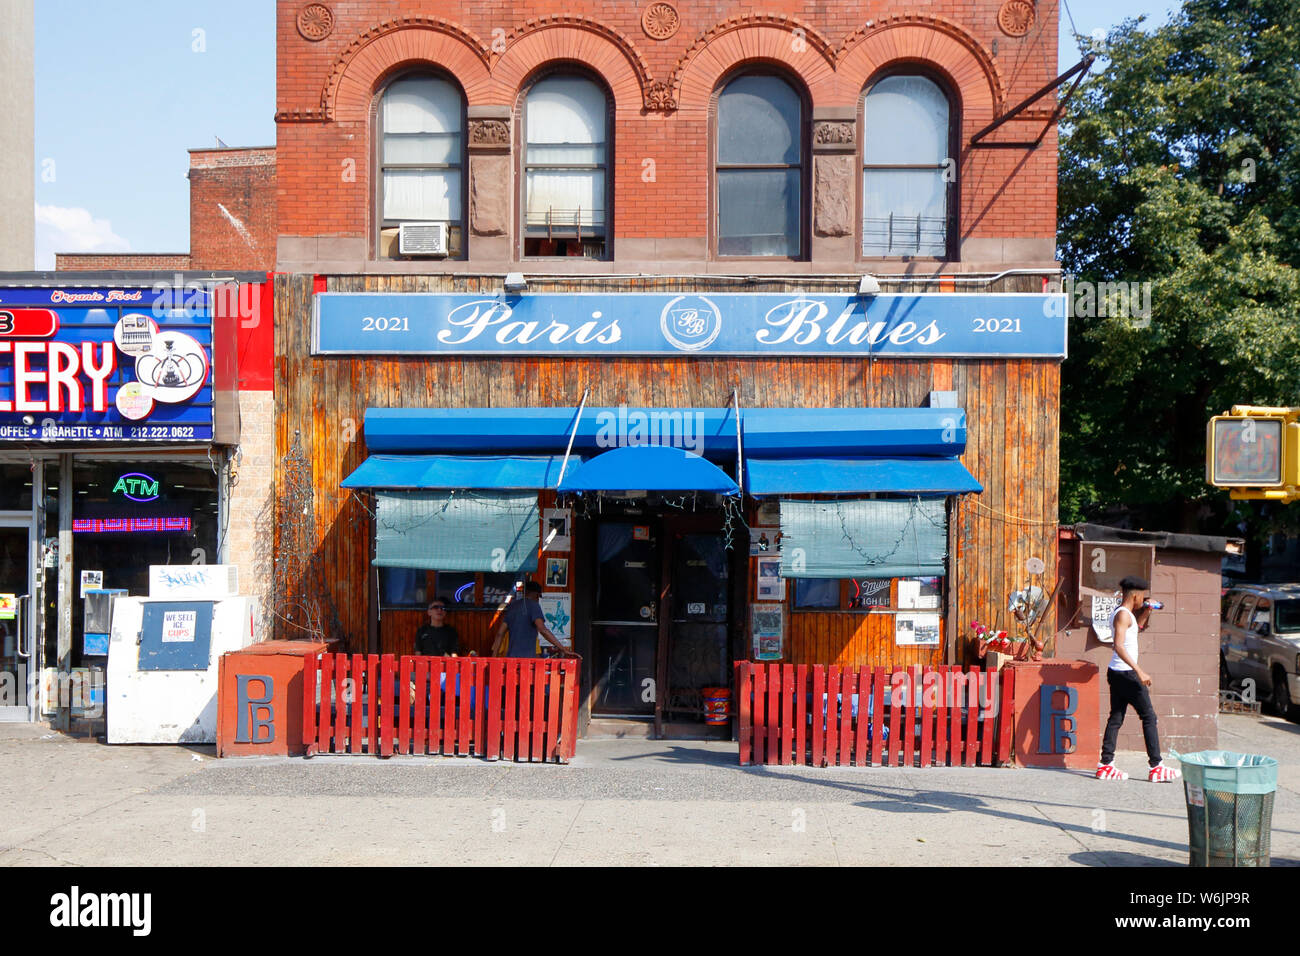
(489, 194)
(833, 192)
(660, 21)
(1016, 17)
(315, 22)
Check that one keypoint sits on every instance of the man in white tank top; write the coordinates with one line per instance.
(1128, 685)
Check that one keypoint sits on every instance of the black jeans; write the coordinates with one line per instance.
(1126, 689)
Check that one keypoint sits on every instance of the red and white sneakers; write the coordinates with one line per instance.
(1162, 774)
(1108, 771)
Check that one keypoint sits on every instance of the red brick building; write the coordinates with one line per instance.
(452, 176)
(232, 219)
(660, 68)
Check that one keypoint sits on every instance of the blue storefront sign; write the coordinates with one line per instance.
(105, 365)
(1012, 325)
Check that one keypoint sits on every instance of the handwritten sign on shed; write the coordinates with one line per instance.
(1103, 564)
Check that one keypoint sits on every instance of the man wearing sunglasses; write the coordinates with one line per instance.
(437, 638)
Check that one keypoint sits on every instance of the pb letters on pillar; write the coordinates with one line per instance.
(255, 716)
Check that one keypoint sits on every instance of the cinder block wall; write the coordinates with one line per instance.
(1180, 651)
(249, 535)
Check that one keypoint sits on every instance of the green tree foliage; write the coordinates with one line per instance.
(1180, 167)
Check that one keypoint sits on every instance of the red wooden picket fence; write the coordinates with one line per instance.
(492, 707)
(805, 714)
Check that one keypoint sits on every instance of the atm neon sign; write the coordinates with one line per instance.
(58, 368)
(137, 486)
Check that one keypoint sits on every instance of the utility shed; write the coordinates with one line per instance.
(1180, 648)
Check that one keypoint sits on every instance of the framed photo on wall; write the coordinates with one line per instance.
(557, 573)
(556, 529)
(771, 586)
(764, 541)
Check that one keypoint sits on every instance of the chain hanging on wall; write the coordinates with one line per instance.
(870, 561)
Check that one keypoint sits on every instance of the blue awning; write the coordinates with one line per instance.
(459, 471)
(809, 476)
(768, 432)
(648, 468)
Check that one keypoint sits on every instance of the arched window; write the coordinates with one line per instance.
(760, 168)
(566, 158)
(907, 170)
(422, 159)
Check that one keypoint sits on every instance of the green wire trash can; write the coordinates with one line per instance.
(1229, 807)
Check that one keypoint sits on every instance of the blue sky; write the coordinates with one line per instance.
(124, 89)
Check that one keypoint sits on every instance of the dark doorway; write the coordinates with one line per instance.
(661, 619)
(696, 655)
(625, 626)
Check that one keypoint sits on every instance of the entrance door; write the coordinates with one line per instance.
(697, 654)
(18, 663)
(625, 628)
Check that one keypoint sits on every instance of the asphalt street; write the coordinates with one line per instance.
(66, 801)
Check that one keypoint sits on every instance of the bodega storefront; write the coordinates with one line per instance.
(116, 407)
(695, 475)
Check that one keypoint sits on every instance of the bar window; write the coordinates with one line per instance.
(906, 172)
(402, 587)
(817, 594)
(457, 588)
(868, 594)
(566, 157)
(760, 168)
(498, 587)
(422, 146)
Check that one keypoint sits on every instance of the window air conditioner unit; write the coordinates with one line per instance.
(422, 239)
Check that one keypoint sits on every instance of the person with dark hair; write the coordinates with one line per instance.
(437, 638)
(1128, 685)
(522, 621)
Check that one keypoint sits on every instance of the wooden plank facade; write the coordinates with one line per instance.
(1012, 409)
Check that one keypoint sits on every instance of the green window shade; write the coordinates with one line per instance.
(456, 532)
(880, 537)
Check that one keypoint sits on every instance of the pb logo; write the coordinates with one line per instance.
(255, 714)
(1057, 727)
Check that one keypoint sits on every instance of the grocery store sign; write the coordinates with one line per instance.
(1010, 325)
(103, 365)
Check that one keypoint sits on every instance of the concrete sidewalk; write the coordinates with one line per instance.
(621, 802)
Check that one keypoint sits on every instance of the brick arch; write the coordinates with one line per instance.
(600, 48)
(758, 37)
(360, 69)
(934, 41)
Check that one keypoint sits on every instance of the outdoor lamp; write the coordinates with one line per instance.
(515, 282)
(868, 286)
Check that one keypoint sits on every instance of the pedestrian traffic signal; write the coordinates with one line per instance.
(1254, 452)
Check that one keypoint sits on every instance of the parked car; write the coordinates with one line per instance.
(1259, 640)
